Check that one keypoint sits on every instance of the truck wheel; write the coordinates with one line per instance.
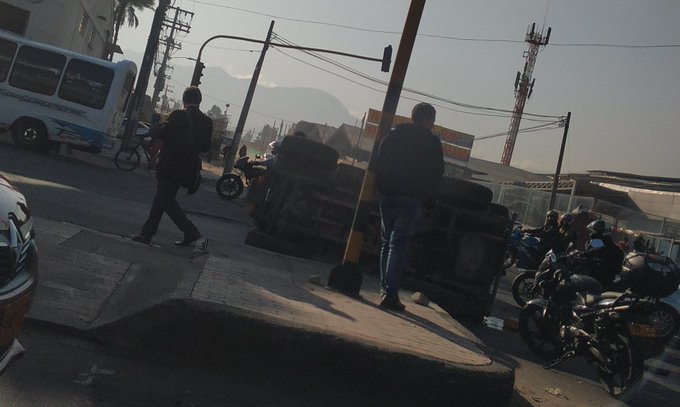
(308, 154)
(31, 134)
(465, 194)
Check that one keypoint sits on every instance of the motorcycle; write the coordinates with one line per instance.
(615, 331)
(522, 250)
(230, 186)
(525, 285)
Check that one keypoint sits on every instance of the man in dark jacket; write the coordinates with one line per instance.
(409, 166)
(186, 134)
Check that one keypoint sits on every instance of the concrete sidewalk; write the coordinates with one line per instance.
(116, 289)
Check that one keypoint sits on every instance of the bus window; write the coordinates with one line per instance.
(7, 50)
(37, 70)
(86, 84)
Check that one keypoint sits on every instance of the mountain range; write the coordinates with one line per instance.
(269, 105)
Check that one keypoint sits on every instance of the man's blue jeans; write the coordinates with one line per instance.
(400, 216)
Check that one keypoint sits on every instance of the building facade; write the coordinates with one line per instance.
(84, 26)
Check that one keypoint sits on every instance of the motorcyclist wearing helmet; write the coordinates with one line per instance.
(548, 233)
(567, 234)
(604, 256)
(268, 163)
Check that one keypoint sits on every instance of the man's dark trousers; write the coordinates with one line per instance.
(165, 201)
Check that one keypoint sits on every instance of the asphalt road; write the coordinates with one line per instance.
(60, 370)
(102, 198)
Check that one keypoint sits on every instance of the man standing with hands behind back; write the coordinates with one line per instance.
(409, 166)
(186, 134)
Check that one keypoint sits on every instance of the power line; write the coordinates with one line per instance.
(446, 37)
(547, 126)
(417, 92)
(402, 96)
(224, 48)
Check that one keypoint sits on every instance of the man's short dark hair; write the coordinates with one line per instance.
(192, 96)
(423, 112)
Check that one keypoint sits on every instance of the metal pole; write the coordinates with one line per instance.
(559, 162)
(229, 159)
(346, 277)
(132, 111)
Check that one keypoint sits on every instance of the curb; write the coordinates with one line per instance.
(210, 334)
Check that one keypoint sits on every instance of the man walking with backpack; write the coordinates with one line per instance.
(186, 134)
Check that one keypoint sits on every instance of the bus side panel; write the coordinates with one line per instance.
(55, 117)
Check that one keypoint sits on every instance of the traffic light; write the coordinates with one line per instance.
(387, 59)
(198, 72)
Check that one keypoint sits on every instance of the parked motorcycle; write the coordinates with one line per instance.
(524, 286)
(527, 285)
(615, 331)
(230, 186)
(523, 250)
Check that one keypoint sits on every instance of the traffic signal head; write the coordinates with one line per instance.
(198, 72)
(387, 59)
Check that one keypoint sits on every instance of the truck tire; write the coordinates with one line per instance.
(465, 194)
(306, 153)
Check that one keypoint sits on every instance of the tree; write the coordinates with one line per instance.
(125, 12)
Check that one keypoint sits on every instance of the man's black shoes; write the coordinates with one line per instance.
(392, 304)
(188, 239)
(141, 239)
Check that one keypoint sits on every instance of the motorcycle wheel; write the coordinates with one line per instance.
(539, 335)
(508, 259)
(229, 186)
(523, 288)
(623, 366)
(665, 320)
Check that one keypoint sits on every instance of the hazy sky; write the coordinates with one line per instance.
(625, 101)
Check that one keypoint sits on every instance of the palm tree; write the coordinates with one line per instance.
(125, 12)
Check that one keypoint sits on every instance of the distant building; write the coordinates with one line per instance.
(84, 26)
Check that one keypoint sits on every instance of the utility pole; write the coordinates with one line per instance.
(229, 159)
(524, 86)
(346, 277)
(132, 112)
(177, 24)
(361, 133)
(553, 194)
(386, 61)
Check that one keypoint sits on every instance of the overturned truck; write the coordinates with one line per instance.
(305, 206)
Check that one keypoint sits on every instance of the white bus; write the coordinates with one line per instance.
(50, 95)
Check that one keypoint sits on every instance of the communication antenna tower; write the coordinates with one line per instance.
(524, 86)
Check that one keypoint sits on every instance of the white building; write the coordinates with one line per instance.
(84, 26)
